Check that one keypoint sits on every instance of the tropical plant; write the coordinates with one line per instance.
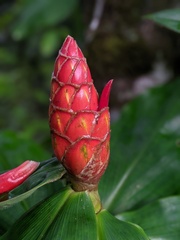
(138, 195)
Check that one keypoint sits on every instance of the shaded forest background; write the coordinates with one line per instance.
(116, 40)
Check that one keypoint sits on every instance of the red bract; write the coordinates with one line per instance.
(14, 177)
(80, 127)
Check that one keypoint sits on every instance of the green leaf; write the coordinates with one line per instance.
(167, 18)
(9, 216)
(145, 155)
(24, 198)
(70, 215)
(76, 218)
(111, 228)
(160, 219)
(48, 172)
(36, 222)
(66, 215)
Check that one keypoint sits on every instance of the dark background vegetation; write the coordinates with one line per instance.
(117, 41)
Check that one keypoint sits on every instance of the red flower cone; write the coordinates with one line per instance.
(80, 126)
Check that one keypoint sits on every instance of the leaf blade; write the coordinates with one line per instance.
(160, 219)
(145, 164)
(76, 218)
(167, 18)
(48, 172)
(66, 215)
(34, 224)
(110, 228)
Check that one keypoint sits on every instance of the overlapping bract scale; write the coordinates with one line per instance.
(80, 128)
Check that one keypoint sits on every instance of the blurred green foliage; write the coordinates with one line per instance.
(31, 32)
(15, 150)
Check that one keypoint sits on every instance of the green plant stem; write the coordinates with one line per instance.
(90, 189)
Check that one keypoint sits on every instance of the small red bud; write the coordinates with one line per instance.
(80, 127)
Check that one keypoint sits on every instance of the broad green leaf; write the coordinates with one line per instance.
(66, 215)
(35, 223)
(75, 221)
(160, 219)
(9, 215)
(48, 172)
(145, 151)
(167, 18)
(70, 215)
(111, 228)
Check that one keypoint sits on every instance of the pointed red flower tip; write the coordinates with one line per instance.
(70, 48)
(14, 177)
(104, 98)
(70, 66)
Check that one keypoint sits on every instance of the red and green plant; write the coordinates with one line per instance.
(137, 197)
